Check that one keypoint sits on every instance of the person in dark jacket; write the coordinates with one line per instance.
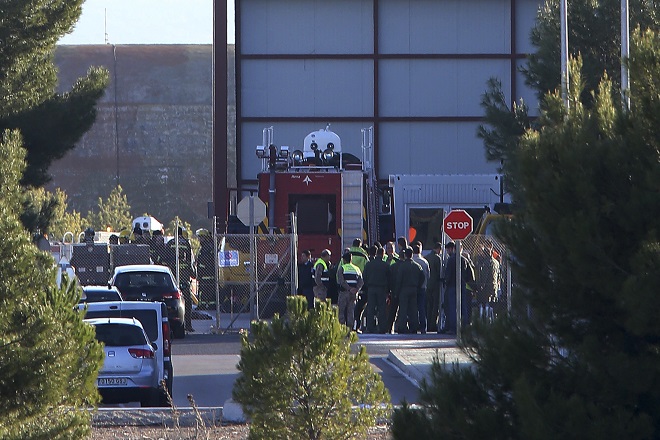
(450, 290)
(179, 251)
(393, 260)
(409, 279)
(433, 288)
(375, 276)
(306, 277)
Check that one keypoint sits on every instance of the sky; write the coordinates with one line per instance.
(148, 22)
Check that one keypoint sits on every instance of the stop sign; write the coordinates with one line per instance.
(457, 224)
(243, 210)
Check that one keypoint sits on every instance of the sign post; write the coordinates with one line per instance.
(458, 225)
(251, 210)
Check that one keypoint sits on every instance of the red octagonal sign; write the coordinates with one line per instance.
(457, 224)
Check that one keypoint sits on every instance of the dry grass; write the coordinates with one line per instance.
(178, 424)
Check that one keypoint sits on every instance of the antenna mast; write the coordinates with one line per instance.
(105, 25)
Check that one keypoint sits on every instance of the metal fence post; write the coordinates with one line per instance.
(254, 294)
(216, 275)
(176, 253)
(294, 254)
(509, 285)
(459, 291)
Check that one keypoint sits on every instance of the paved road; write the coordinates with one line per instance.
(205, 363)
(205, 367)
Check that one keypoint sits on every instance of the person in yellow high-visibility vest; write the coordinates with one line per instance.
(321, 276)
(349, 279)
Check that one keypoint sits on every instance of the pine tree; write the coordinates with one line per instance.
(63, 220)
(50, 123)
(580, 355)
(113, 213)
(299, 379)
(49, 358)
(594, 34)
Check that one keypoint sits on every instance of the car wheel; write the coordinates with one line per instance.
(179, 332)
(155, 398)
(163, 401)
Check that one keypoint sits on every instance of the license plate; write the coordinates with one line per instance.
(113, 381)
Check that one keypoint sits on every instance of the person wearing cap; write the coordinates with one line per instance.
(409, 279)
(450, 290)
(349, 279)
(321, 275)
(433, 313)
(206, 271)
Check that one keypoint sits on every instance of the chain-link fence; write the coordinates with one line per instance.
(94, 262)
(491, 287)
(240, 277)
(255, 273)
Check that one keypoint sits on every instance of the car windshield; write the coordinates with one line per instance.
(132, 280)
(147, 318)
(100, 295)
(120, 335)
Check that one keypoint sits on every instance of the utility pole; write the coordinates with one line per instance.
(563, 17)
(625, 54)
(220, 203)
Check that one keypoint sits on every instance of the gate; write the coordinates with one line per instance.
(256, 272)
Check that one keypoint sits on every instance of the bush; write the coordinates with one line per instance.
(300, 380)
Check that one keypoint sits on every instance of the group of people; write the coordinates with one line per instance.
(388, 290)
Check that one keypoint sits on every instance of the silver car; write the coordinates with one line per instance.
(130, 369)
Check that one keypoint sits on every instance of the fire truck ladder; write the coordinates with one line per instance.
(371, 183)
(351, 219)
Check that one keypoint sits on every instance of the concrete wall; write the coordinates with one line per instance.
(153, 131)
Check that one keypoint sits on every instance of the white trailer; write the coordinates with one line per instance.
(421, 202)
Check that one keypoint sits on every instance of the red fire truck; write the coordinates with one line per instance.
(333, 194)
(336, 197)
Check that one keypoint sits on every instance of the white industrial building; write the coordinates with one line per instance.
(415, 70)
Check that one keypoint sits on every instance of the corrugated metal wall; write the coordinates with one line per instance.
(414, 69)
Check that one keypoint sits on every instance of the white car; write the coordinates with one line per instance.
(153, 318)
(130, 369)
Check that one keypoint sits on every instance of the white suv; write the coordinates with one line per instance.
(130, 369)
